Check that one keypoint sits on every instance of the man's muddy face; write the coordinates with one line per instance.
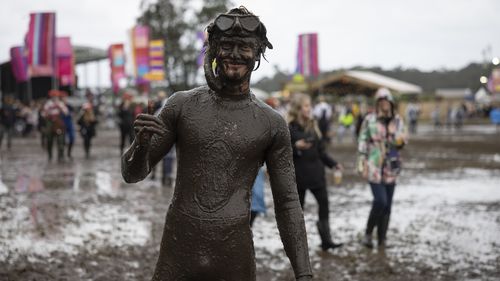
(236, 57)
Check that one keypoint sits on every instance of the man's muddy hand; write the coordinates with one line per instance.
(145, 126)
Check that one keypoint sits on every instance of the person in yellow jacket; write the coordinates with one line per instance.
(346, 120)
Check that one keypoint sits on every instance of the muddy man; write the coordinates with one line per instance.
(223, 135)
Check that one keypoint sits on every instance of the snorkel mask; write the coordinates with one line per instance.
(248, 23)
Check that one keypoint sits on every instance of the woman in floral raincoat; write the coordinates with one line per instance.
(381, 138)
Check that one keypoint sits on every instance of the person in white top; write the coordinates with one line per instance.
(322, 112)
(322, 107)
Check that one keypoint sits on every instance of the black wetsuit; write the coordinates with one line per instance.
(221, 142)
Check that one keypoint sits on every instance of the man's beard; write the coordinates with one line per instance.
(230, 70)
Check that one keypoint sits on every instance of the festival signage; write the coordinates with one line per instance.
(494, 81)
(19, 64)
(65, 61)
(140, 53)
(116, 55)
(202, 37)
(156, 61)
(307, 55)
(41, 43)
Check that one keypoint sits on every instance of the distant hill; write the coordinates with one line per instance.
(467, 77)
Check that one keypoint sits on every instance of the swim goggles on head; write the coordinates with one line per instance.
(227, 21)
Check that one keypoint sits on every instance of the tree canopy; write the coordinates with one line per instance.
(178, 23)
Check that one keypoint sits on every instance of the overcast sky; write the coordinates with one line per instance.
(426, 34)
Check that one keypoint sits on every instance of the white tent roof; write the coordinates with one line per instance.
(453, 93)
(384, 81)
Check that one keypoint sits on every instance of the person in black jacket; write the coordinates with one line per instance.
(310, 158)
(126, 121)
(87, 121)
(7, 120)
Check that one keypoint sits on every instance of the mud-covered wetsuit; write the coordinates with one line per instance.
(221, 142)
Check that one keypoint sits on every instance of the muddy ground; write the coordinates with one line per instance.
(79, 221)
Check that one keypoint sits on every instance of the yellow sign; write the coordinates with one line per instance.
(156, 61)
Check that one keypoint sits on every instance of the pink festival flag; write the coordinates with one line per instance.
(494, 81)
(19, 64)
(65, 61)
(307, 55)
(202, 36)
(116, 55)
(140, 52)
(42, 44)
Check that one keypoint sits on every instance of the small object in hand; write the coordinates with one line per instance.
(337, 177)
(399, 142)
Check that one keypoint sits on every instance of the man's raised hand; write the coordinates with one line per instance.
(145, 126)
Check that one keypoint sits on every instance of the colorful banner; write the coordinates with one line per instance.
(116, 55)
(19, 64)
(494, 81)
(41, 44)
(202, 36)
(65, 61)
(156, 61)
(140, 53)
(307, 55)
